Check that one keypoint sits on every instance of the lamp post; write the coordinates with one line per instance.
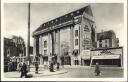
(28, 38)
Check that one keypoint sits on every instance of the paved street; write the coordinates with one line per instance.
(73, 72)
(88, 72)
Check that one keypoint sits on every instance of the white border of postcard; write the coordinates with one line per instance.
(67, 79)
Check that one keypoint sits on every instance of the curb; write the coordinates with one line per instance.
(51, 73)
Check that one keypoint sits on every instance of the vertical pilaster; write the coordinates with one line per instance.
(34, 49)
(41, 48)
(58, 41)
(71, 38)
(71, 42)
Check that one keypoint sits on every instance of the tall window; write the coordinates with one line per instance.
(105, 41)
(100, 43)
(76, 33)
(110, 42)
(76, 42)
(45, 44)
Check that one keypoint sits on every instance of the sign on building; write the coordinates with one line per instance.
(85, 54)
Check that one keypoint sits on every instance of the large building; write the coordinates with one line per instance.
(66, 37)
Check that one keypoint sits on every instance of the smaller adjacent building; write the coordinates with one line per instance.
(108, 51)
(107, 56)
(107, 39)
(14, 51)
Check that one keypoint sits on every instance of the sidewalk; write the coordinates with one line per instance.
(42, 72)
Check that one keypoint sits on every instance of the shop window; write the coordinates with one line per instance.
(76, 33)
(76, 42)
(45, 44)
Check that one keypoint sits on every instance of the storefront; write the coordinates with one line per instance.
(85, 57)
(76, 58)
(107, 57)
(114, 60)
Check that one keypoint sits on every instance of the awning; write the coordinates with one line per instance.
(106, 57)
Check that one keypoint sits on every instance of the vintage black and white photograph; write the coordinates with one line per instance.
(63, 40)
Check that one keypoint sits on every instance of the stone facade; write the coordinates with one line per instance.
(72, 32)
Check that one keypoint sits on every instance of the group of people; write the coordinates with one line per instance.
(20, 67)
(51, 67)
(12, 66)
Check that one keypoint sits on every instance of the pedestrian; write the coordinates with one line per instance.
(9, 66)
(97, 69)
(62, 61)
(19, 66)
(58, 66)
(36, 67)
(24, 70)
(51, 67)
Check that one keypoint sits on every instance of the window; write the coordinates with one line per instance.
(76, 42)
(45, 44)
(100, 45)
(105, 45)
(78, 12)
(71, 14)
(86, 28)
(100, 41)
(45, 52)
(105, 41)
(76, 33)
(110, 42)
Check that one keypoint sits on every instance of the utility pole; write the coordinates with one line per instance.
(28, 41)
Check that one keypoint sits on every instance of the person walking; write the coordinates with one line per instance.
(62, 61)
(24, 70)
(58, 66)
(9, 66)
(97, 69)
(19, 66)
(36, 67)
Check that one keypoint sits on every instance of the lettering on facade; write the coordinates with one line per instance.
(106, 52)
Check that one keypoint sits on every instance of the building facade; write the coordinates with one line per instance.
(108, 51)
(65, 37)
(112, 56)
(107, 39)
(14, 51)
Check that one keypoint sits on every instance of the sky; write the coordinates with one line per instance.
(107, 16)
